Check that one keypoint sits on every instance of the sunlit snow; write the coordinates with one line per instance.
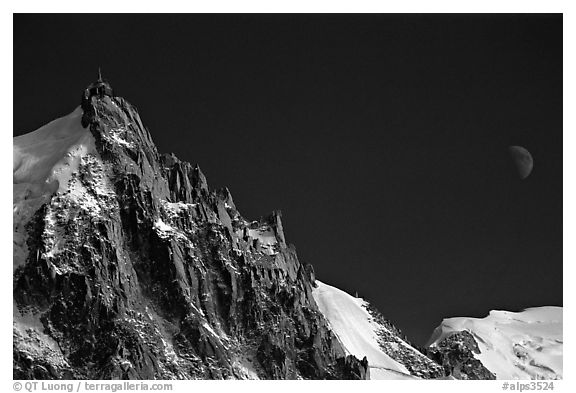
(43, 164)
(357, 331)
(514, 345)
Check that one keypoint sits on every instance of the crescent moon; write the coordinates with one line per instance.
(522, 159)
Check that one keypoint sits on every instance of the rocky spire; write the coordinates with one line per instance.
(100, 88)
(157, 277)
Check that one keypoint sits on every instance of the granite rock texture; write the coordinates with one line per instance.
(153, 275)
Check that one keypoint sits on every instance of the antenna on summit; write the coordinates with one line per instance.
(99, 89)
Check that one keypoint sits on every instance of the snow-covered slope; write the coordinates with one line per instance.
(514, 345)
(37, 153)
(43, 164)
(359, 332)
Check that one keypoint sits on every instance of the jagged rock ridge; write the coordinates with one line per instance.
(456, 353)
(129, 266)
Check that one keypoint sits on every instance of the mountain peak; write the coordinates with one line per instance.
(127, 266)
(98, 88)
(130, 267)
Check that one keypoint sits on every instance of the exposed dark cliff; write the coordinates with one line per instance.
(150, 275)
(456, 355)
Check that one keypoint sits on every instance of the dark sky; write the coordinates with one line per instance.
(382, 138)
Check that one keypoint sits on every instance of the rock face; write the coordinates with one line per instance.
(456, 355)
(136, 269)
(396, 345)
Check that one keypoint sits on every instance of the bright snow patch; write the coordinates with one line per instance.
(36, 155)
(166, 231)
(44, 162)
(266, 238)
(174, 209)
(244, 368)
(29, 331)
(357, 331)
(116, 135)
(514, 345)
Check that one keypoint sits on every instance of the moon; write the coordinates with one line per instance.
(522, 159)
